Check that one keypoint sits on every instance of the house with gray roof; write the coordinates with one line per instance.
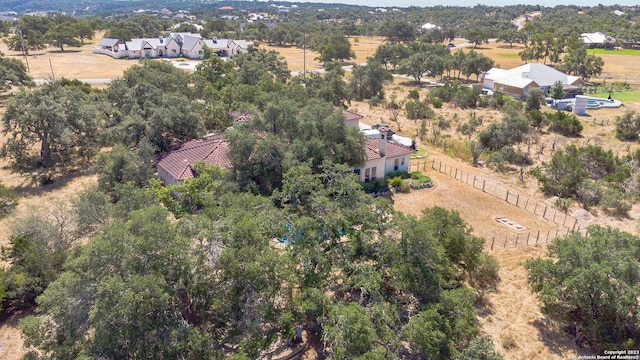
(518, 81)
(189, 45)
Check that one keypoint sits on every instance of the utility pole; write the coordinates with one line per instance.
(24, 52)
(304, 59)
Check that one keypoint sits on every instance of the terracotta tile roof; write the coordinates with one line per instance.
(393, 149)
(240, 116)
(179, 162)
(351, 116)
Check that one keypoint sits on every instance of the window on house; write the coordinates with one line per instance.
(396, 162)
(402, 161)
(373, 172)
(367, 174)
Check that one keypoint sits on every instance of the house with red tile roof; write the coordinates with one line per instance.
(384, 156)
(177, 165)
(351, 119)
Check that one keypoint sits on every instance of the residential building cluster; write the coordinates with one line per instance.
(188, 45)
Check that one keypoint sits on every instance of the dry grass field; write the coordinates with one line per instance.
(509, 313)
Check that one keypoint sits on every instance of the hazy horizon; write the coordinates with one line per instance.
(427, 3)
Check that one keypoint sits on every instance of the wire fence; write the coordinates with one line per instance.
(564, 222)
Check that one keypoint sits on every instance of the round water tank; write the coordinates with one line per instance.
(580, 107)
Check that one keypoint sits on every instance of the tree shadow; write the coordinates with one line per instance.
(64, 52)
(33, 184)
(484, 307)
(12, 317)
(556, 339)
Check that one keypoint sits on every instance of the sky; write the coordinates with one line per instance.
(427, 3)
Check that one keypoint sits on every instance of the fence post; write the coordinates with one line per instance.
(505, 242)
(517, 237)
(440, 167)
(474, 181)
(456, 176)
(526, 204)
(538, 236)
(492, 241)
(545, 212)
(450, 168)
(574, 225)
(528, 234)
(547, 241)
(424, 166)
(565, 219)
(433, 162)
(555, 212)
(536, 208)
(483, 184)
(556, 234)
(507, 198)
(517, 200)
(467, 181)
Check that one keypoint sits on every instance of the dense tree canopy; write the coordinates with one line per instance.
(61, 119)
(591, 284)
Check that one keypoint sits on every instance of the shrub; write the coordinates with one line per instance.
(443, 124)
(401, 174)
(486, 271)
(588, 194)
(465, 97)
(509, 131)
(404, 187)
(628, 126)
(418, 110)
(563, 204)
(395, 181)
(374, 185)
(375, 101)
(613, 203)
(509, 154)
(437, 103)
(565, 124)
(8, 200)
(414, 94)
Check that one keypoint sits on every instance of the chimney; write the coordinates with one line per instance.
(382, 146)
(161, 39)
(215, 40)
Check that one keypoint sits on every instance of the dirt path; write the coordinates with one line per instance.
(510, 314)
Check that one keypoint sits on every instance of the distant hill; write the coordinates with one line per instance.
(109, 7)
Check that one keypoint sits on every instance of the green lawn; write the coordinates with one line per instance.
(509, 55)
(633, 95)
(614, 52)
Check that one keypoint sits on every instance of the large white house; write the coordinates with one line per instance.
(516, 82)
(598, 40)
(189, 45)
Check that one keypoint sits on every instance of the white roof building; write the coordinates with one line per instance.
(597, 39)
(430, 26)
(517, 81)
